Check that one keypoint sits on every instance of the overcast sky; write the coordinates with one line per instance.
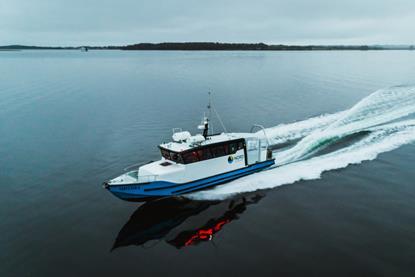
(104, 22)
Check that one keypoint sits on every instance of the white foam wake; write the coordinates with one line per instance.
(293, 131)
(382, 114)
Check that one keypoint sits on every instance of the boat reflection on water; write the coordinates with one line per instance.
(213, 225)
(181, 222)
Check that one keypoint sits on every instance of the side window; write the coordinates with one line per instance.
(204, 154)
(165, 154)
(226, 149)
(174, 157)
(190, 157)
(218, 151)
(233, 147)
(252, 144)
(180, 159)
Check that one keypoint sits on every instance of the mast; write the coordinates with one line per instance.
(206, 121)
(206, 125)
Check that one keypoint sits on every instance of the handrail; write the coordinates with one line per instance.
(263, 129)
(140, 179)
(154, 177)
(137, 165)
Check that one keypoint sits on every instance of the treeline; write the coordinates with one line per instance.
(216, 46)
(28, 47)
(197, 46)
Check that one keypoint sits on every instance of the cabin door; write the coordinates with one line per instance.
(253, 150)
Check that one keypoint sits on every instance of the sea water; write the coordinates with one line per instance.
(341, 201)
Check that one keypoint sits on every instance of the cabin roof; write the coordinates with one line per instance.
(185, 145)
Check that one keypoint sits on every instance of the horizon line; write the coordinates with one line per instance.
(209, 42)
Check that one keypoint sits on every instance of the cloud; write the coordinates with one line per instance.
(58, 22)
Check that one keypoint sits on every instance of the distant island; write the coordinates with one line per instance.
(216, 46)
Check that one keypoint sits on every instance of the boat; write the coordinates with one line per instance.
(194, 162)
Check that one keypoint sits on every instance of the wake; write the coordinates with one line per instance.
(383, 116)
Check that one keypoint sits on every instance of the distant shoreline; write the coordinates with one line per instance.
(215, 46)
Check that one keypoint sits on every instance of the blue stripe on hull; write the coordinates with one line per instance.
(157, 189)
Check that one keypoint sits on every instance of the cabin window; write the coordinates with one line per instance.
(226, 149)
(165, 154)
(204, 154)
(218, 151)
(233, 147)
(190, 157)
(172, 156)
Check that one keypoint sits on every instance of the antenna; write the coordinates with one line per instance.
(210, 111)
(210, 106)
(206, 125)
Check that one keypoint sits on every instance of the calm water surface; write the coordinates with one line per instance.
(69, 120)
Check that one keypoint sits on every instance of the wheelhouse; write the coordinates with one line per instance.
(204, 152)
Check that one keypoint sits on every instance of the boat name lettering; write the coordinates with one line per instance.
(129, 187)
(238, 158)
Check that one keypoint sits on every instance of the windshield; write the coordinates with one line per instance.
(172, 156)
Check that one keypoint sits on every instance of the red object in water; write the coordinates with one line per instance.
(206, 234)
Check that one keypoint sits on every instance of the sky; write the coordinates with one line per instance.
(121, 22)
